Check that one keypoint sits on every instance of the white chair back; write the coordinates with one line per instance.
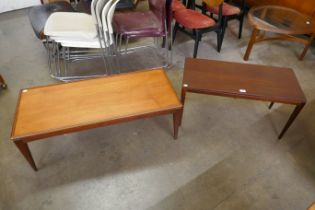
(110, 20)
(93, 5)
(98, 11)
(104, 19)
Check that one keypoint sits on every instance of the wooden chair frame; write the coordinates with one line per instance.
(196, 34)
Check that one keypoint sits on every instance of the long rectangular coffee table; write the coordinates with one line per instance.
(64, 108)
(246, 81)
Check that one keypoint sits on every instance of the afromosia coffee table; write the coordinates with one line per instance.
(64, 108)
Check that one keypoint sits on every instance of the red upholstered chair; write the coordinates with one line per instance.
(190, 20)
(230, 12)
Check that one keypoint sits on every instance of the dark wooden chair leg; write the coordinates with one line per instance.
(223, 27)
(175, 31)
(219, 40)
(24, 149)
(270, 105)
(241, 27)
(294, 114)
(197, 39)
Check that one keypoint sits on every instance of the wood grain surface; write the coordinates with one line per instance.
(230, 79)
(51, 110)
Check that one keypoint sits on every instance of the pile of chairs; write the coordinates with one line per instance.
(152, 23)
(73, 36)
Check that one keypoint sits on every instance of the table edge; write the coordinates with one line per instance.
(244, 96)
(91, 125)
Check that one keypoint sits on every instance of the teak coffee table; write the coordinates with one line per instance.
(285, 22)
(64, 108)
(246, 81)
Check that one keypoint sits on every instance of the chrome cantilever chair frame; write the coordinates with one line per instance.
(61, 50)
(167, 44)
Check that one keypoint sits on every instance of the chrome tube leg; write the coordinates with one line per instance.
(103, 48)
(67, 61)
(126, 47)
(116, 58)
(120, 42)
(64, 60)
(48, 54)
(54, 52)
(166, 50)
(109, 51)
(58, 60)
(171, 45)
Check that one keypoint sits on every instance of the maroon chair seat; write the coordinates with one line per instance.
(192, 19)
(139, 24)
(152, 23)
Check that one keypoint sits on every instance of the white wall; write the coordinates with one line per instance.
(8, 5)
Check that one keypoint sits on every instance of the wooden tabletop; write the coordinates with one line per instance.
(242, 80)
(49, 110)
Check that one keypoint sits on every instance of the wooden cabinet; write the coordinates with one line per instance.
(304, 6)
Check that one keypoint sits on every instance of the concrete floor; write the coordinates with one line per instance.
(227, 155)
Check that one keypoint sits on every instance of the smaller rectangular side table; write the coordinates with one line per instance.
(245, 81)
(65, 108)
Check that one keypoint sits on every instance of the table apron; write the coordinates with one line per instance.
(58, 132)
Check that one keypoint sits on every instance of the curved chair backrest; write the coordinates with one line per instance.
(98, 11)
(93, 5)
(110, 19)
(104, 18)
(213, 3)
(158, 7)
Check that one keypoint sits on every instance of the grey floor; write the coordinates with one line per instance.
(227, 155)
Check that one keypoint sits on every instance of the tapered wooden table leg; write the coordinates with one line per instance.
(177, 115)
(294, 114)
(2, 82)
(24, 149)
(307, 46)
(182, 99)
(270, 105)
(251, 43)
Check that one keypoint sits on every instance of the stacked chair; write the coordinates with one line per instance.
(78, 36)
(153, 23)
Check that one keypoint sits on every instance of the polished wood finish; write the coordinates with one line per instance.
(312, 207)
(246, 81)
(284, 22)
(57, 109)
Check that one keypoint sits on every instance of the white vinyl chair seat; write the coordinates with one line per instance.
(71, 24)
